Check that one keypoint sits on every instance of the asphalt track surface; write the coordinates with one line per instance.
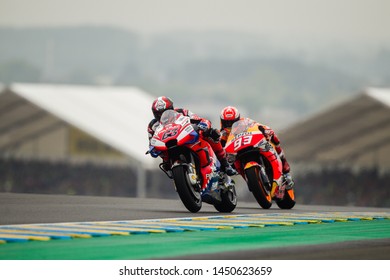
(34, 209)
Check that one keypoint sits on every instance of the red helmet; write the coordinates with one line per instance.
(229, 115)
(160, 105)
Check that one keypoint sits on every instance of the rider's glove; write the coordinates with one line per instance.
(214, 134)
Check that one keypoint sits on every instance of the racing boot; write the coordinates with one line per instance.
(221, 155)
(226, 183)
(288, 181)
(227, 168)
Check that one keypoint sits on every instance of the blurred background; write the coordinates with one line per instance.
(289, 64)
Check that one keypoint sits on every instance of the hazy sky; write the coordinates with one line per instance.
(295, 22)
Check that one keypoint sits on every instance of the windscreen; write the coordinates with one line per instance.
(169, 116)
(242, 126)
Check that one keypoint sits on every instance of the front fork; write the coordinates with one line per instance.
(277, 188)
(192, 174)
(191, 170)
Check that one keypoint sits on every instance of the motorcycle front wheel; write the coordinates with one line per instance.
(187, 193)
(257, 187)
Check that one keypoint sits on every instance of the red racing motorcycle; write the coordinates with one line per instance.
(259, 164)
(194, 166)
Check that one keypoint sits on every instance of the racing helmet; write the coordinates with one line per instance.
(229, 115)
(160, 105)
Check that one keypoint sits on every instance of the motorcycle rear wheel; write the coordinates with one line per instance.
(229, 201)
(256, 185)
(188, 195)
(288, 200)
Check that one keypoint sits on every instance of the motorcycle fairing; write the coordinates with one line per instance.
(246, 134)
(187, 135)
(177, 127)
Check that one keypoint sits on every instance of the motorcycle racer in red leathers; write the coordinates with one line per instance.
(230, 114)
(211, 135)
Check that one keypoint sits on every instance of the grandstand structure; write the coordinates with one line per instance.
(355, 133)
(77, 124)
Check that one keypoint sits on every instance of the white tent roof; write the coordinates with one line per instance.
(380, 94)
(117, 116)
